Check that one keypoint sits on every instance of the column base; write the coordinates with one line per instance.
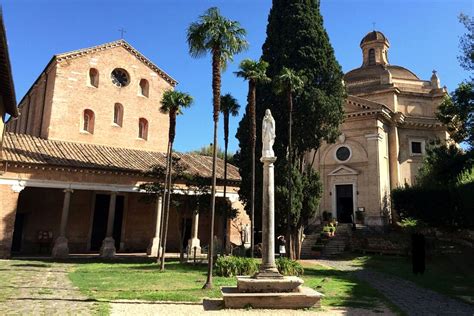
(108, 248)
(154, 249)
(194, 243)
(60, 248)
(268, 272)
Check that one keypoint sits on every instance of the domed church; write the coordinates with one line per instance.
(389, 121)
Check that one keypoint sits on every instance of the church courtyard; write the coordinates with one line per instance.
(270, 157)
(354, 285)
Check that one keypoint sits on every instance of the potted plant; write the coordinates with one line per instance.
(360, 214)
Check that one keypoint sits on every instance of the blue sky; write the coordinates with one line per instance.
(424, 35)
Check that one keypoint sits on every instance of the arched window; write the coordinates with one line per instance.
(144, 87)
(118, 114)
(88, 121)
(94, 77)
(371, 57)
(143, 128)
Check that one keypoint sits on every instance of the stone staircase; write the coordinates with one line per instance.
(308, 243)
(334, 246)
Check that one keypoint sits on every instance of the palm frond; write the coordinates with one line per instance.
(253, 70)
(229, 105)
(214, 31)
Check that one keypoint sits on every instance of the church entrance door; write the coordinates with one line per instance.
(99, 224)
(344, 203)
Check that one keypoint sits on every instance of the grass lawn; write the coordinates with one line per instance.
(449, 274)
(341, 288)
(144, 281)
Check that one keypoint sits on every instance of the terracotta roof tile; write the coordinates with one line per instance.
(23, 148)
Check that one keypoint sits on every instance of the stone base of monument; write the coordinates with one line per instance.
(276, 293)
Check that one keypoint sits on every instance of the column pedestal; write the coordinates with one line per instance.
(107, 250)
(60, 248)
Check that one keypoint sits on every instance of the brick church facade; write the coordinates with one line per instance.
(89, 130)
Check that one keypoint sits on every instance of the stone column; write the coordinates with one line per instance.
(154, 249)
(108, 245)
(268, 268)
(393, 151)
(61, 248)
(9, 196)
(374, 204)
(194, 241)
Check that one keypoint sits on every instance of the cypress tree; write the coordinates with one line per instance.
(296, 39)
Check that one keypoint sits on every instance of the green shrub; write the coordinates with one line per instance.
(289, 267)
(229, 266)
(436, 206)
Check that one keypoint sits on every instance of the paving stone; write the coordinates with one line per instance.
(38, 288)
(410, 298)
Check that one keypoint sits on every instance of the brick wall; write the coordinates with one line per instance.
(8, 207)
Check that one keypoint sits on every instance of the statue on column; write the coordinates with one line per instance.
(268, 135)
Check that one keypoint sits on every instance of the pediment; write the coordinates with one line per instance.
(350, 107)
(110, 45)
(343, 171)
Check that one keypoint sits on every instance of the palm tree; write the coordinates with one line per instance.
(223, 38)
(289, 82)
(254, 72)
(172, 103)
(229, 106)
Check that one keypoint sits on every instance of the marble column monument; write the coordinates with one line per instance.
(268, 288)
(268, 268)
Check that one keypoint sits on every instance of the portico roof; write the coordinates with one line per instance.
(27, 149)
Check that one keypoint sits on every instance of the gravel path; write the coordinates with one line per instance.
(214, 307)
(409, 297)
(37, 288)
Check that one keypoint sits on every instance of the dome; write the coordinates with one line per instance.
(373, 36)
(374, 72)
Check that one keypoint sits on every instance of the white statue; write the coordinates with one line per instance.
(246, 234)
(268, 135)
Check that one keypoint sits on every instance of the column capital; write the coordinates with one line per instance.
(268, 160)
(68, 190)
(375, 136)
(18, 186)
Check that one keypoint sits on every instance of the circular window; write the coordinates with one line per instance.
(343, 153)
(120, 77)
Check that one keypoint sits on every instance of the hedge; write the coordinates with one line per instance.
(441, 206)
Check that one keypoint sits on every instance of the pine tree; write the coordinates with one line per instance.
(296, 39)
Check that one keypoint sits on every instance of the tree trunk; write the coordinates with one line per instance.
(181, 239)
(290, 168)
(226, 145)
(216, 89)
(163, 206)
(252, 109)
(167, 207)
